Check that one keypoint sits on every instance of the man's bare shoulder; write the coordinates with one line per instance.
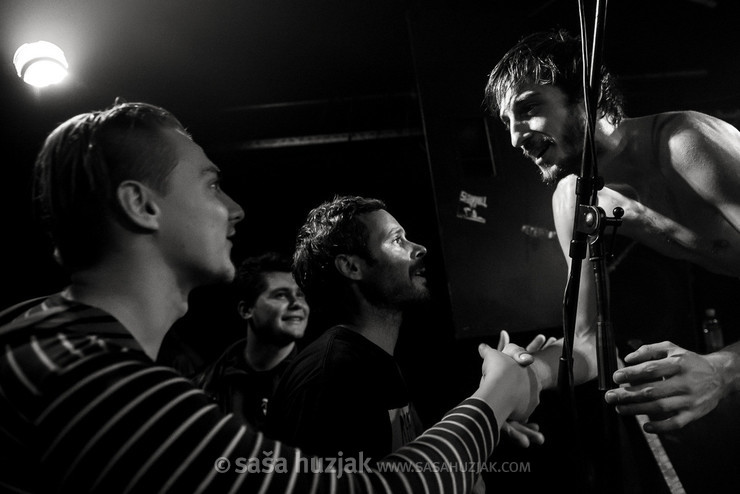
(668, 123)
(697, 142)
(564, 192)
(683, 140)
(692, 128)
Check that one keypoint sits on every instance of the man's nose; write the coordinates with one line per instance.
(236, 213)
(519, 133)
(419, 251)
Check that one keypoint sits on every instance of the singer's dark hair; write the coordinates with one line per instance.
(331, 229)
(81, 165)
(550, 57)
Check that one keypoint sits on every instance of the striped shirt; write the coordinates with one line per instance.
(83, 409)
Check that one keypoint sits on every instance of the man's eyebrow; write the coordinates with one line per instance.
(516, 103)
(522, 98)
(211, 169)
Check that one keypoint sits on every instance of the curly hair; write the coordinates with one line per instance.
(81, 164)
(550, 57)
(250, 281)
(331, 229)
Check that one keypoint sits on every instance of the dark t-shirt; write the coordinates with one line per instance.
(84, 409)
(239, 389)
(343, 393)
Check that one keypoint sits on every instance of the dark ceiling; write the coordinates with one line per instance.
(200, 59)
(255, 79)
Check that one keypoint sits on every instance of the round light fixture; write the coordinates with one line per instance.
(40, 64)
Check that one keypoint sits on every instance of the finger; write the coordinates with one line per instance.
(517, 437)
(537, 343)
(503, 340)
(519, 354)
(483, 350)
(672, 423)
(663, 407)
(514, 435)
(551, 340)
(639, 394)
(646, 372)
(523, 427)
(653, 351)
(529, 430)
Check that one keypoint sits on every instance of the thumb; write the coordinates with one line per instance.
(503, 340)
(519, 354)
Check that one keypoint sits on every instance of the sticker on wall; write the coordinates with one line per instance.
(467, 207)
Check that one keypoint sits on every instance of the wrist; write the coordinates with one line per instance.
(502, 389)
(726, 364)
(544, 375)
(500, 403)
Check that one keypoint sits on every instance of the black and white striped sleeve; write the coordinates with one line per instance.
(111, 421)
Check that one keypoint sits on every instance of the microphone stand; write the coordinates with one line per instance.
(589, 225)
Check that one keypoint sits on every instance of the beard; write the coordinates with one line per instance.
(399, 296)
(571, 144)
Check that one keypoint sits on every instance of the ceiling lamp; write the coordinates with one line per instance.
(40, 64)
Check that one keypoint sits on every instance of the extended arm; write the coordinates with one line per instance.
(113, 422)
(584, 344)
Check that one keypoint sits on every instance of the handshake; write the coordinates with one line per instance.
(511, 382)
(669, 384)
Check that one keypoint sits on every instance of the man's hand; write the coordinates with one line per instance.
(671, 385)
(519, 354)
(523, 434)
(512, 391)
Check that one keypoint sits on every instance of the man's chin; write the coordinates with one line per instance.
(421, 297)
(553, 174)
(286, 338)
(211, 278)
(226, 275)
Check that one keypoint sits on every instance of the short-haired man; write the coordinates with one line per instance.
(345, 392)
(677, 177)
(243, 379)
(139, 219)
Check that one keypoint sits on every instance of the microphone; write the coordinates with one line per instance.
(538, 232)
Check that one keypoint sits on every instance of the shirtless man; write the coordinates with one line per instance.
(677, 177)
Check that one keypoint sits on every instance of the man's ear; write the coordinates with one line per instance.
(244, 311)
(138, 204)
(349, 266)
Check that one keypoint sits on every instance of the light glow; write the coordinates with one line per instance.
(40, 64)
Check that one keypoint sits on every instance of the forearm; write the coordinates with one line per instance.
(161, 432)
(465, 437)
(547, 361)
(499, 399)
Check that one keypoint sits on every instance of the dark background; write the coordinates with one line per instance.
(298, 101)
